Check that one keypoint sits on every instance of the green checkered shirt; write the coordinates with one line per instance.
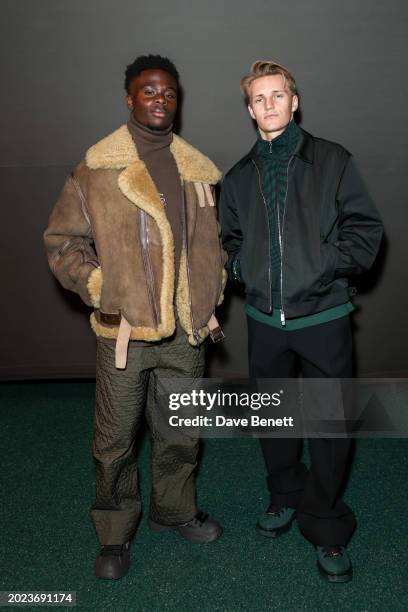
(273, 157)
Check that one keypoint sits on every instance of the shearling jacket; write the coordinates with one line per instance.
(109, 240)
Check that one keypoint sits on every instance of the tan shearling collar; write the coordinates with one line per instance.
(117, 150)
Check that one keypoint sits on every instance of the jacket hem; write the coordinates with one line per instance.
(305, 308)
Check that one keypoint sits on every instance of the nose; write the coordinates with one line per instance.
(160, 99)
(270, 102)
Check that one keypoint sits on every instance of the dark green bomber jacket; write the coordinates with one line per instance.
(331, 228)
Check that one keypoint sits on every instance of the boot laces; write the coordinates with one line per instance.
(200, 517)
(332, 551)
(276, 510)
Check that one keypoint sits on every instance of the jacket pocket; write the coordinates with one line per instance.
(329, 257)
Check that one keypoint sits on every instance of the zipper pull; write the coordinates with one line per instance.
(283, 320)
(270, 146)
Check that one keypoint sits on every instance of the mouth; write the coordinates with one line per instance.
(159, 113)
(271, 116)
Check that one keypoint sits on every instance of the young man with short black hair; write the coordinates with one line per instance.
(132, 233)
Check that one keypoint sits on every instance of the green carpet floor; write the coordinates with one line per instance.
(48, 543)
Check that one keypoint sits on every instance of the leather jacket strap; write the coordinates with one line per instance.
(110, 319)
(216, 333)
(122, 344)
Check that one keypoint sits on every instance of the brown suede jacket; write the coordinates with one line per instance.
(109, 240)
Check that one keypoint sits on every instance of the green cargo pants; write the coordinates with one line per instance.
(122, 398)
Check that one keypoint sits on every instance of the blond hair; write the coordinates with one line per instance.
(262, 68)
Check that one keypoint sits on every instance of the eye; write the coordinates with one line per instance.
(258, 100)
(148, 91)
(170, 95)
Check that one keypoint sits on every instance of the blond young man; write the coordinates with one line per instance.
(297, 222)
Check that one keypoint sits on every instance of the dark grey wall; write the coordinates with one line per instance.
(62, 75)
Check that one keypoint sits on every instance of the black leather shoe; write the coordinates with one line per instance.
(202, 528)
(113, 561)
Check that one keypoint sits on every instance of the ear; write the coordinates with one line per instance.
(251, 112)
(295, 103)
(129, 102)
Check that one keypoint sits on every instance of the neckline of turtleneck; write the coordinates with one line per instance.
(284, 143)
(148, 139)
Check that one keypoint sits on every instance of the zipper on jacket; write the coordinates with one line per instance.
(269, 234)
(57, 256)
(185, 240)
(281, 242)
(144, 238)
(84, 203)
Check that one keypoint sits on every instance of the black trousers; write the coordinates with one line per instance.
(323, 351)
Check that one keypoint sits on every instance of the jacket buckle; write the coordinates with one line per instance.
(217, 334)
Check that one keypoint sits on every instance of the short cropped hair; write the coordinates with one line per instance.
(262, 68)
(149, 62)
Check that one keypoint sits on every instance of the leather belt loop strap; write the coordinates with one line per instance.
(122, 344)
(110, 319)
(216, 333)
(200, 194)
(207, 190)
